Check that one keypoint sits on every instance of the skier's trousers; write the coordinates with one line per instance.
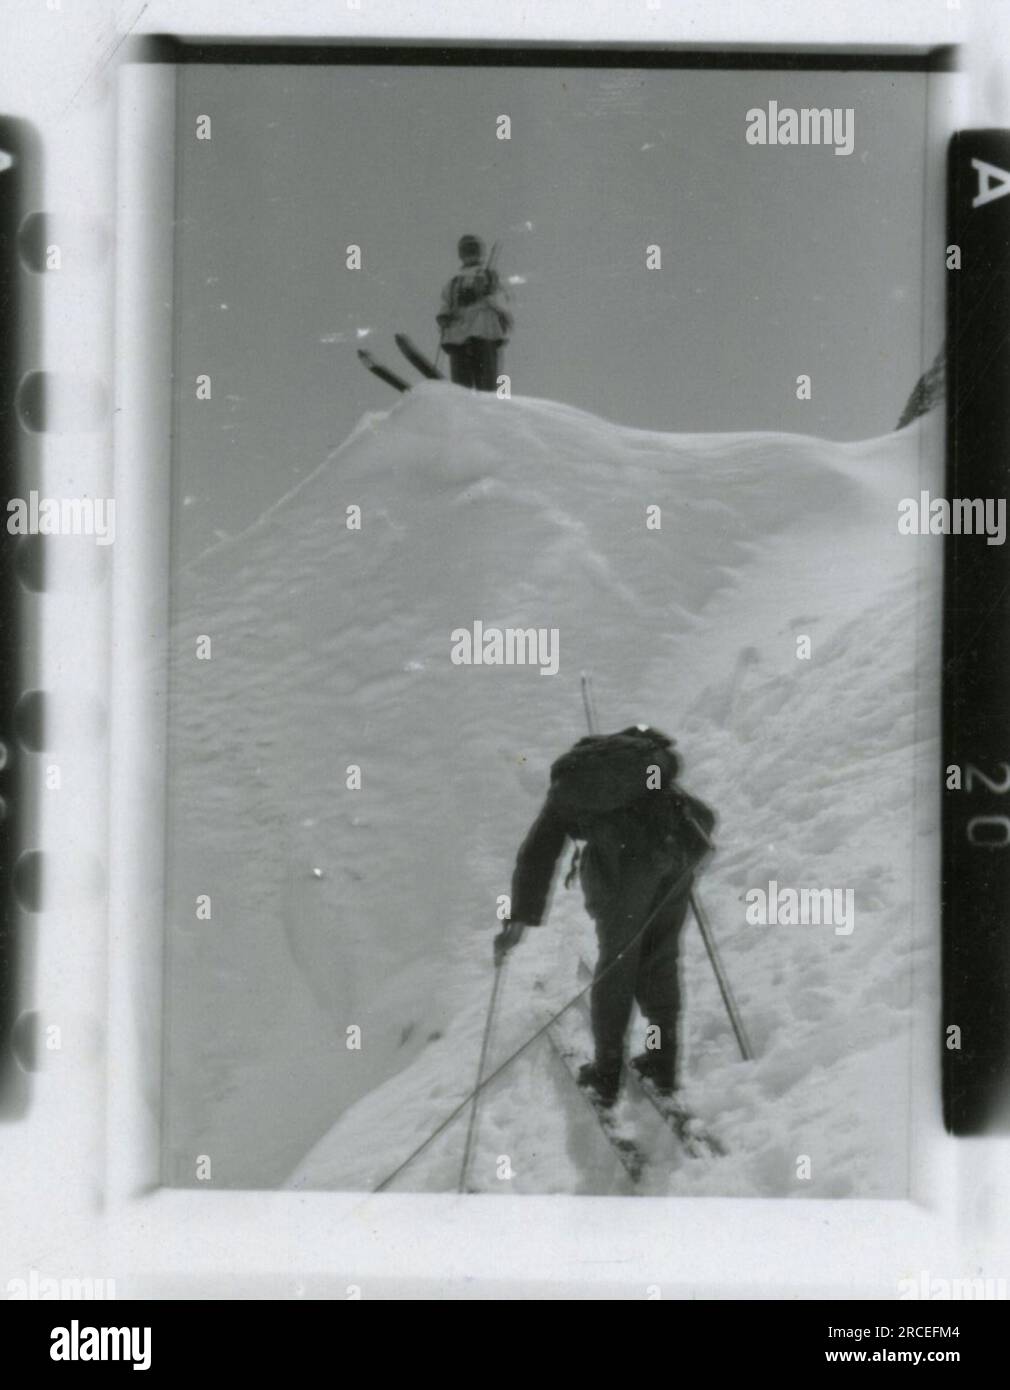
(647, 973)
(474, 363)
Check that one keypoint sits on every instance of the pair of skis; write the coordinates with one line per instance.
(619, 1136)
(692, 1136)
(689, 1130)
(416, 359)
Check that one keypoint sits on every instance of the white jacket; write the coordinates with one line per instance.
(474, 303)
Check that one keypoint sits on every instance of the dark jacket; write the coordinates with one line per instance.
(655, 836)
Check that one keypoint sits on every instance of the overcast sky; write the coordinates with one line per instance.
(776, 260)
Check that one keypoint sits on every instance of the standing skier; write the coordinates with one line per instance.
(474, 321)
(643, 837)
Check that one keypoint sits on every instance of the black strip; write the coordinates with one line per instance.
(976, 655)
(16, 305)
(166, 48)
(184, 1320)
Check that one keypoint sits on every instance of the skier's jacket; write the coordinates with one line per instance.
(473, 307)
(617, 793)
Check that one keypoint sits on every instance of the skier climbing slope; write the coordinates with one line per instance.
(644, 837)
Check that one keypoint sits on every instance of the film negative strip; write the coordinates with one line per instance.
(976, 661)
(21, 584)
(187, 1119)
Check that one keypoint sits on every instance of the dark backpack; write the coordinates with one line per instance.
(612, 778)
(466, 290)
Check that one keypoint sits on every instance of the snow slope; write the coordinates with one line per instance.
(374, 908)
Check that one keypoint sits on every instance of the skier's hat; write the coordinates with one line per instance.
(468, 245)
(658, 739)
(656, 735)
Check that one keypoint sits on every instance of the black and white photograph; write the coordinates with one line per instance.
(504, 600)
(553, 644)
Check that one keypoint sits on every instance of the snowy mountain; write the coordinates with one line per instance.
(336, 909)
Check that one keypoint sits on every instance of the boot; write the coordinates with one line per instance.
(604, 1081)
(658, 1066)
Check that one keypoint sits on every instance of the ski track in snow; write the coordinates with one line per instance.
(376, 908)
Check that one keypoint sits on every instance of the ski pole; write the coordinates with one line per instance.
(471, 1128)
(721, 979)
(587, 703)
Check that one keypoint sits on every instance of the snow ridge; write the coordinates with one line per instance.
(375, 908)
